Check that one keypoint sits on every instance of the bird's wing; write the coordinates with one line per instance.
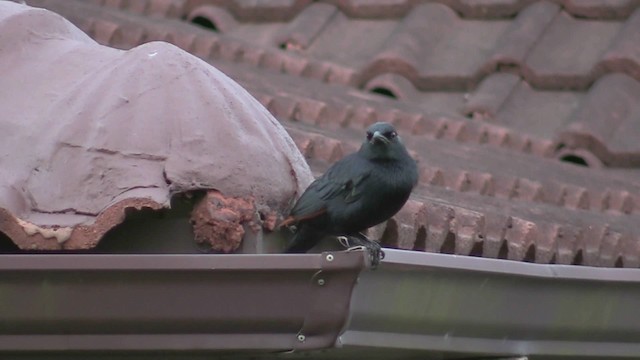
(342, 180)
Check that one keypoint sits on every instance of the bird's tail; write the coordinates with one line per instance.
(303, 240)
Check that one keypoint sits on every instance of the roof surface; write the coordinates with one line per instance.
(489, 96)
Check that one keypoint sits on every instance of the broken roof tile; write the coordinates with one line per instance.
(125, 148)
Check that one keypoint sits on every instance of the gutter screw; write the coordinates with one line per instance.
(320, 282)
(301, 338)
(330, 257)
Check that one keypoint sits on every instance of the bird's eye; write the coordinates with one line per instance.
(369, 135)
(390, 135)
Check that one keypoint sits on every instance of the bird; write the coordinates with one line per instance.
(359, 191)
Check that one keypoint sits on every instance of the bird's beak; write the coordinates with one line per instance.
(378, 137)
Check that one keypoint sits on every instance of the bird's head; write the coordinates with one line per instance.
(382, 142)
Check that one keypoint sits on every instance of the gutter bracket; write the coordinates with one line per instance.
(331, 289)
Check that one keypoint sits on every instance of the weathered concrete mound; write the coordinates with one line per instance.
(90, 131)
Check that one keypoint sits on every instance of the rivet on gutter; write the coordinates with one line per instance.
(301, 337)
(320, 282)
(330, 257)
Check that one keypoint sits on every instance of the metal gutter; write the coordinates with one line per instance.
(459, 306)
(175, 302)
(415, 305)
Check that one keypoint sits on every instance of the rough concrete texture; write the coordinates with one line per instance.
(89, 131)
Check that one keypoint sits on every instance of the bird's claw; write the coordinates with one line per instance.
(344, 241)
(356, 248)
(375, 250)
(376, 254)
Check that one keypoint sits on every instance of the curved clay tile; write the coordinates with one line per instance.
(89, 131)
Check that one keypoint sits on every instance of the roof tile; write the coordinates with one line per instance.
(629, 250)
(606, 121)
(491, 94)
(301, 32)
(468, 227)
(573, 64)
(522, 34)
(434, 48)
(439, 225)
(407, 222)
(592, 239)
(489, 8)
(220, 18)
(567, 239)
(129, 155)
(601, 9)
(373, 8)
(165, 8)
(608, 251)
(488, 184)
(486, 9)
(264, 10)
(393, 85)
(496, 226)
(519, 236)
(624, 54)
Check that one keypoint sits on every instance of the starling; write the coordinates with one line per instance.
(361, 190)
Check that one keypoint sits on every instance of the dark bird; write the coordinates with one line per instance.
(361, 190)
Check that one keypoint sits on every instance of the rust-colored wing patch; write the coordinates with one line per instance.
(292, 219)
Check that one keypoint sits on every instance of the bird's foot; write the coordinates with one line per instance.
(344, 241)
(361, 242)
(376, 254)
(374, 247)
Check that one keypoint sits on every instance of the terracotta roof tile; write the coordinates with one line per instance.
(492, 93)
(623, 55)
(522, 34)
(556, 233)
(603, 9)
(486, 94)
(434, 48)
(214, 16)
(573, 64)
(165, 8)
(113, 132)
(486, 9)
(249, 10)
(301, 32)
(606, 123)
